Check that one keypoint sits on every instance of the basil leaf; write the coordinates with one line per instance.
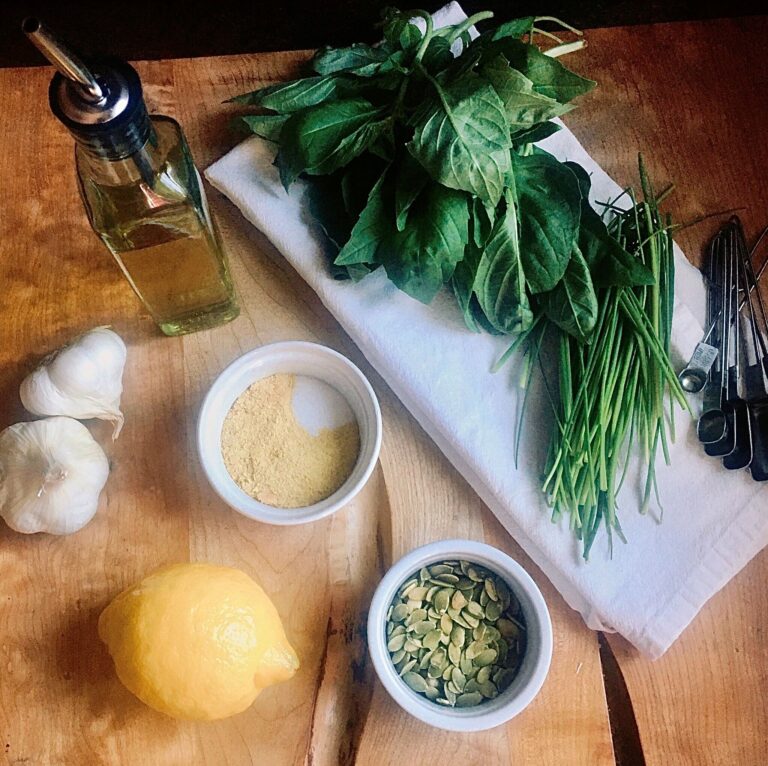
(523, 106)
(437, 56)
(462, 284)
(482, 218)
(550, 78)
(411, 179)
(500, 280)
(462, 140)
(295, 95)
(514, 28)
(421, 259)
(357, 180)
(326, 137)
(267, 126)
(609, 263)
(359, 59)
(535, 134)
(549, 209)
(326, 204)
(572, 305)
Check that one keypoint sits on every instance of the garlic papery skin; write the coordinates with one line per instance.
(81, 380)
(52, 472)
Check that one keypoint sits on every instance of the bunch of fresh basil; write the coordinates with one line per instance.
(424, 163)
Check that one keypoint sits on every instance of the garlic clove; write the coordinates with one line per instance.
(81, 380)
(52, 472)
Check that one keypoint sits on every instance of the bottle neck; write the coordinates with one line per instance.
(118, 142)
(118, 169)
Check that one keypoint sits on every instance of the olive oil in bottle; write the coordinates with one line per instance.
(141, 190)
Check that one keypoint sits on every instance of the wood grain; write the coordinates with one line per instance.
(60, 702)
(692, 97)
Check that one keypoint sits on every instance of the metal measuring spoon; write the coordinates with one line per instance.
(755, 374)
(694, 376)
(741, 455)
(713, 427)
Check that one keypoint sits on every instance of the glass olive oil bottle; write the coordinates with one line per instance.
(141, 190)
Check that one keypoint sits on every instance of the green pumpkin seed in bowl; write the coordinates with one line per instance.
(455, 633)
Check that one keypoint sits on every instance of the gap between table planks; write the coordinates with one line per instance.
(59, 700)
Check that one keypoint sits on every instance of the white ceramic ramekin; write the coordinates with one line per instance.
(538, 653)
(299, 358)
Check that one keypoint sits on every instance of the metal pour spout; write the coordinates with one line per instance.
(63, 59)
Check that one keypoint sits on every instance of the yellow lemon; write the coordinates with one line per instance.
(197, 641)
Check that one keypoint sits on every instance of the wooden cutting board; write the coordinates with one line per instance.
(689, 95)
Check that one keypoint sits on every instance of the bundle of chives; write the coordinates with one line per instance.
(612, 389)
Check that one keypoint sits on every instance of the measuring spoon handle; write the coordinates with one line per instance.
(758, 414)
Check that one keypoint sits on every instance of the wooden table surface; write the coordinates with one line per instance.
(692, 96)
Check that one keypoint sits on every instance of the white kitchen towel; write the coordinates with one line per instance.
(714, 521)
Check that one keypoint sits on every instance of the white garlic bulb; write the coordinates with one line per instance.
(51, 474)
(82, 380)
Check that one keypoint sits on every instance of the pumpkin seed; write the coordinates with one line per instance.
(439, 569)
(465, 583)
(459, 600)
(396, 643)
(507, 628)
(475, 609)
(446, 675)
(451, 579)
(489, 690)
(424, 574)
(486, 657)
(412, 645)
(493, 611)
(442, 599)
(423, 627)
(471, 620)
(417, 615)
(474, 649)
(445, 638)
(425, 660)
(413, 605)
(454, 654)
(484, 674)
(408, 587)
(469, 699)
(431, 639)
(398, 630)
(466, 667)
(431, 593)
(490, 589)
(457, 617)
(434, 671)
(399, 613)
(441, 701)
(483, 598)
(471, 686)
(416, 682)
(458, 635)
(446, 624)
(458, 679)
(407, 667)
(418, 594)
(432, 693)
(451, 696)
(473, 574)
